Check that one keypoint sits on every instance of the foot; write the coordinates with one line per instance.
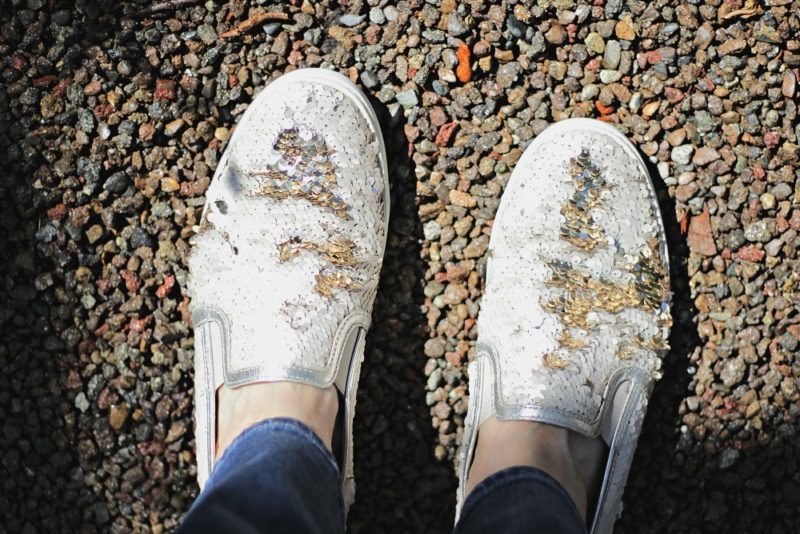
(574, 318)
(285, 264)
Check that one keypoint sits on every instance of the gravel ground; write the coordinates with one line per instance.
(113, 116)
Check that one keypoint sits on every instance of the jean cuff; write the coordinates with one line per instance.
(516, 475)
(262, 431)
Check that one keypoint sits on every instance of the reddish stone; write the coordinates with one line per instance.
(673, 95)
(771, 139)
(163, 289)
(44, 81)
(99, 332)
(469, 322)
(758, 172)
(61, 88)
(464, 69)
(93, 87)
(150, 448)
(73, 380)
(605, 110)
(131, 280)
(457, 273)
(106, 398)
(782, 224)
(165, 90)
(233, 81)
(80, 216)
(438, 116)
(19, 62)
(373, 34)
(440, 277)
(572, 32)
(445, 133)
(103, 111)
(453, 358)
(701, 239)
(653, 56)
(411, 132)
(138, 325)
(593, 65)
(750, 253)
(57, 212)
(794, 220)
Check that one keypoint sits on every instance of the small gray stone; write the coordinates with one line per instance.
(391, 13)
(733, 371)
(612, 55)
(117, 182)
(759, 231)
(456, 25)
(682, 154)
(407, 99)
(435, 347)
(589, 93)
(369, 79)
(610, 76)
(782, 191)
(81, 402)
(351, 20)
(206, 34)
(432, 230)
(376, 16)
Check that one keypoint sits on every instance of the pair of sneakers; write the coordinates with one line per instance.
(286, 259)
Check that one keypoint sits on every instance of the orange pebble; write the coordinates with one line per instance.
(605, 110)
(464, 70)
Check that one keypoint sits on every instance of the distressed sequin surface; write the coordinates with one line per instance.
(297, 211)
(577, 283)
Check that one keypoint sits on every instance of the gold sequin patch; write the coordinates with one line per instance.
(327, 283)
(338, 251)
(305, 170)
(582, 294)
(554, 362)
(579, 227)
(568, 341)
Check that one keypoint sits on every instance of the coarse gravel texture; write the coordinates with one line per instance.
(113, 116)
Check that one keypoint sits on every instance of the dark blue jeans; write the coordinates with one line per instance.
(278, 477)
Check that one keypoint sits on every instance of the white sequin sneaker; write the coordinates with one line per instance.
(286, 258)
(575, 317)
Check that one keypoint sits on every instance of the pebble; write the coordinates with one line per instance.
(682, 154)
(351, 20)
(610, 76)
(460, 198)
(789, 84)
(456, 25)
(172, 128)
(704, 156)
(595, 43)
(759, 231)
(408, 98)
(612, 55)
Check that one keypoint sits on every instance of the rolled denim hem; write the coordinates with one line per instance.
(511, 476)
(259, 433)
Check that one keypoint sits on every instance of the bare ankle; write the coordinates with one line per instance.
(239, 409)
(569, 458)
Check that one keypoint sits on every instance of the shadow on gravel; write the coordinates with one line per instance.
(658, 440)
(676, 487)
(401, 487)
